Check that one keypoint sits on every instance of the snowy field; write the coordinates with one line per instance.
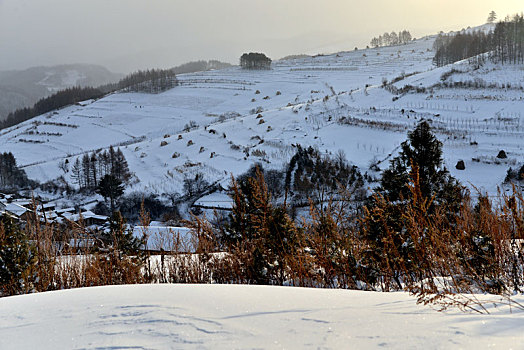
(334, 102)
(245, 317)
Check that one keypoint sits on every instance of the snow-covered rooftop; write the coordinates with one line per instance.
(215, 200)
(15, 209)
(168, 238)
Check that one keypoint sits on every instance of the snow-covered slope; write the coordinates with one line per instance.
(297, 102)
(244, 317)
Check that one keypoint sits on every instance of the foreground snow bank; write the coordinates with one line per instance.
(232, 316)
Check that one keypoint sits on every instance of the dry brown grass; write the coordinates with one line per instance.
(443, 256)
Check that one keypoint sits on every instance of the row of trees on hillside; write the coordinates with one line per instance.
(145, 81)
(454, 48)
(255, 60)
(508, 40)
(150, 81)
(505, 44)
(88, 171)
(392, 39)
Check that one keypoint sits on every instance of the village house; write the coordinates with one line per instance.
(24, 209)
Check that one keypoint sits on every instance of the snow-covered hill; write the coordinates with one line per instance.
(334, 102)
(245, 317)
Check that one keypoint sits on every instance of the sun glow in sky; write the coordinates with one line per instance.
(131, 34)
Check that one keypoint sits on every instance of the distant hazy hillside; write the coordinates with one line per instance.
(23, 88)
(200, 66)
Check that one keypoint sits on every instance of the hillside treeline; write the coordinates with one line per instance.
(391, 39)
(149, 81)
(505, 44)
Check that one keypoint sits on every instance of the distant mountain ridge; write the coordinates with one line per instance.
(23, 88)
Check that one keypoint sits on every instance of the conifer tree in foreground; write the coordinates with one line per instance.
(423, 150)
(263, 235)
(17, 259)
(419, 165)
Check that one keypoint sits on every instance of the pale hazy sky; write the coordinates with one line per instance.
(125, 35)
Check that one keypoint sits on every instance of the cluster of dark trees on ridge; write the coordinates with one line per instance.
(151, 81)
(255, 60)
(505, 44)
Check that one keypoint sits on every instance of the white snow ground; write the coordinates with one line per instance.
(245, 317)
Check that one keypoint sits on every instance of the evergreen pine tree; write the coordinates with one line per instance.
(94, 170)
(122, 239)
(265, 235)
(76, 173)
(110, 188)
(492, 17)
(121, 168)
(423, 150)
(17, 259)
(11, 176)
(415, 176)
